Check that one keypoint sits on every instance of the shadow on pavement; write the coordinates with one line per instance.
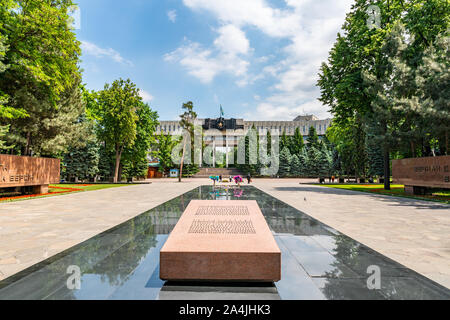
(391, 200)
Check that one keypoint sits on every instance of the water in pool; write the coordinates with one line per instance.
(318, 262)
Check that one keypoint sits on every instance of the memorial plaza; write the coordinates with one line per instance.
(313, 226)
(224, 150)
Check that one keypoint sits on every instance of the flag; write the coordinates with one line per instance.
(221, 111)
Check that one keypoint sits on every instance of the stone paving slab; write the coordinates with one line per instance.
(412, 232)
(33, 230)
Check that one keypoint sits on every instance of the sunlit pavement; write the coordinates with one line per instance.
(411, 232)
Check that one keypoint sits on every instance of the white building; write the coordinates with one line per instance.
(224, 134)
(239, 127)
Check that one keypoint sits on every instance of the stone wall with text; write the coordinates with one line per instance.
(18, 171)
(432, 172)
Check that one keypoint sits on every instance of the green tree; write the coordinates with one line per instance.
(285, 141)
(42, 56)
(374, 151)
(82, 163)
(115, 112)
(51, 131)
(303, 160)
(5, 111)
(162, 150)
(360, 50)
(324, 162)
(285, 162)
(313, 164)
(297, 142)
(252, 163)
(387, 88)
(296, 169)
(135, 158)
(187, 123)
(3, 131)
(433, 80)
(313, 138)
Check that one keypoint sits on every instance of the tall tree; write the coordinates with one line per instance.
(51, 131)
(285, 162)
(6, 112)
(433, 80)
(135, 159)
(296, 169)
(313, 163)
(285, 141)
(187, 123)
(297, 142)
(3, 132)
(386, 90)
(313, 138)
(42, 57)
(162, 150)
(116, 116)
(361, 50)
(82, 162)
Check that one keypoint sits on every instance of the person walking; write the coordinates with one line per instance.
(249, 178)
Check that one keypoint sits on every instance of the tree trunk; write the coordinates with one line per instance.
(446, 143)
(28, 145)
(182, 160)
(387, 168)
(116, 169)
(119, 177)
(387, 163)
(413, 149)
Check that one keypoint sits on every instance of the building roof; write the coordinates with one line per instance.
(310, 117)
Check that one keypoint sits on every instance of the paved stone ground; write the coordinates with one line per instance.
(414, 233)
(33, 230)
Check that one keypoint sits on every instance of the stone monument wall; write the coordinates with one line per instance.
(430, 172)
(18, 171)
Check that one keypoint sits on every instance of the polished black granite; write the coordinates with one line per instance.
(318, 262)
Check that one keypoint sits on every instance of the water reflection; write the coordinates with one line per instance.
(318, 262)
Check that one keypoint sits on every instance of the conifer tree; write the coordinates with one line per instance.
(297, 142)
(285, 162)
(303, 163)
(296, 166)
(313, 138)
(313, 164)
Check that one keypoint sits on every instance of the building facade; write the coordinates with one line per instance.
(225, 134)
(239, 127)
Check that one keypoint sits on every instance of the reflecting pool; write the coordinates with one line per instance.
(318, 262)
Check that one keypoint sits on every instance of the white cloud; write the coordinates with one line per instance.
(310, 26)
(89, 48)
(146, 97)
(226, 56)
(172, 15)
(232, 40)
(257, 13)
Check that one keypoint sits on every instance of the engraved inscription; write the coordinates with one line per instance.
(222, 227)
(222, 211)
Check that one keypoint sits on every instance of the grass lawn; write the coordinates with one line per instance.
(396, 191)
(59, 189)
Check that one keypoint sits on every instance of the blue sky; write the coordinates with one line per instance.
(258, 58)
